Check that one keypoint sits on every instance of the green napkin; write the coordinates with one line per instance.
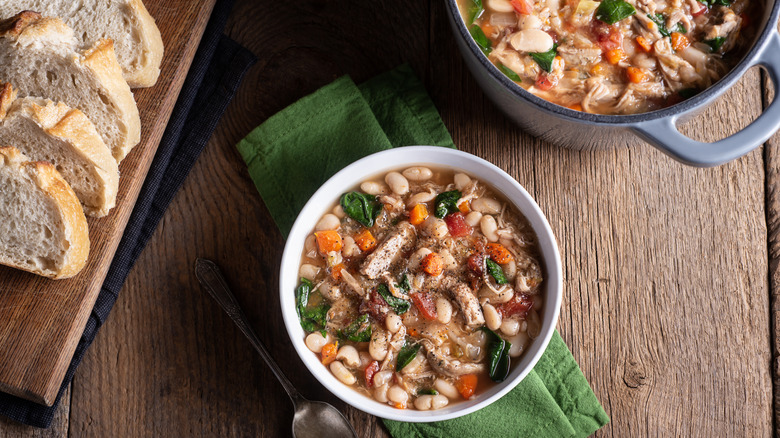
(295, 151)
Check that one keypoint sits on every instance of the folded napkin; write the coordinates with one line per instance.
(217, 70)
(295, 151)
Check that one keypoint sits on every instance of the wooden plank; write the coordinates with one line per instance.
(59, 426)
(42, 320)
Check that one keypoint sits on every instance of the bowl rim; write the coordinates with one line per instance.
(684, 107)
(347, 178)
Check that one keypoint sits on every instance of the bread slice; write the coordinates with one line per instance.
(137, 41)
(42, 59)
(42, 226)
(45, 131)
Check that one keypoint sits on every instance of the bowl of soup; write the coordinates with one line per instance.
(420, 284)
(589, 74)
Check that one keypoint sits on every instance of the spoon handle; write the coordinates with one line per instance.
(211, 278)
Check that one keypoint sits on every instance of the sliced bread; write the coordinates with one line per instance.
(137, 41)
(45, 131)
(42, 226)
(41, 57)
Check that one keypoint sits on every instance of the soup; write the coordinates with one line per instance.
(612, 56)
(420, 288)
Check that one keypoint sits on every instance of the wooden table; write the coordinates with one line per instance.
(671, 272)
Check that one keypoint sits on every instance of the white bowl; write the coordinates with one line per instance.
(399, 158)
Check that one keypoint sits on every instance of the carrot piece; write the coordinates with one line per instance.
(433, 264)
(636, 75)
(336, 271)
(418, 214)
(488, 29)
(329, 352)
(522, 7)
(615, 55)
(399, 405)
(597, 70)
(464, 207)
(643, 43)
(328, 241)
(413, 332)
(576, 107)
(365, 240)
(499, 253)
(679, 41)
(466, 385)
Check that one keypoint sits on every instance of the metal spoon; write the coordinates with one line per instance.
(312, 418)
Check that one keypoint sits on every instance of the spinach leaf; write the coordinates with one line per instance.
(404, 285)
(362, 207)
(357, 331)
(399, 305)
(427, 391)
(545, 60)
(660, 21)
(302, 295)
(406, 355)
(312, 319)
(612, 11)
(446, 203)
(476, 10)
(482, 41)
(687, 93)
(498, 356)
(715, 43)
(495, 271)
(510, 73)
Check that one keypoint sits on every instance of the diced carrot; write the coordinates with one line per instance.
(328, 241)
(499, 253)
(615, 55)
(636, 75)
(418, 214)
(329, 352)
(488, 29)
(643, 43)
(399, 405)
(336, 271)
(464, 207)
(413, 332)
(679, 41)
(433, 264)
(466, 385)
(522, 7)
(597, 70)
(365, 240)
(576, 107)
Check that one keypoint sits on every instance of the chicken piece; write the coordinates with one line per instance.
(448, 366)
(529, 273)
(400, 240)
(467, 301)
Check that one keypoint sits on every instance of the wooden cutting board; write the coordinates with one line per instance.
(42, 320)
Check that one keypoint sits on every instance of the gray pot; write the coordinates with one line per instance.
(580, 130)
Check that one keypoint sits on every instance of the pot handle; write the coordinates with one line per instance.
(663, 133)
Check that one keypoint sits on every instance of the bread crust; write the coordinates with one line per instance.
(151, 40)
(54, 186)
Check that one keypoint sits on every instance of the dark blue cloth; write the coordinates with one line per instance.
(217, 70)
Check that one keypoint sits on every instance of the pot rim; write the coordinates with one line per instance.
(686, 106)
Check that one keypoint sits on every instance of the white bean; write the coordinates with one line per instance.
(377, 348)
(489, 227)
(423, 402)
(417, 257)
(486, 206)
(518, 342)
(420, 198)
(415, 365)
(443, 310)
(439, 401)
(350, 249)
(500, 5)
(374, 188)
(510, 270)
(310, 244)
(492, 318)
(418, 173)
(505, 295)
(396, 394)
(365, 359)
(529, 22)
(435, 227)
(328, 222)
(349, 356)
(473, 218)
(342, 373)
(380, 393)
(393, 322)
(398, 184)
(315, 341)
(338, 210)
(448, 260)
(510, 327)
(382, 378)
(446, 388)
(461, 181)
(531, 41)
(308, 271)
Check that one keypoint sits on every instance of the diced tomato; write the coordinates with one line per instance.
(475, 263)
(543, 82)
(370, 370)
(746, 21)
(522, 7)
(702, 9)
(457, 225)
(606, 36)
(425, 305)
(376, 306)
(520, 304)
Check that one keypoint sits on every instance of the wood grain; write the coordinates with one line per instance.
(666, 300)
(42, 320)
